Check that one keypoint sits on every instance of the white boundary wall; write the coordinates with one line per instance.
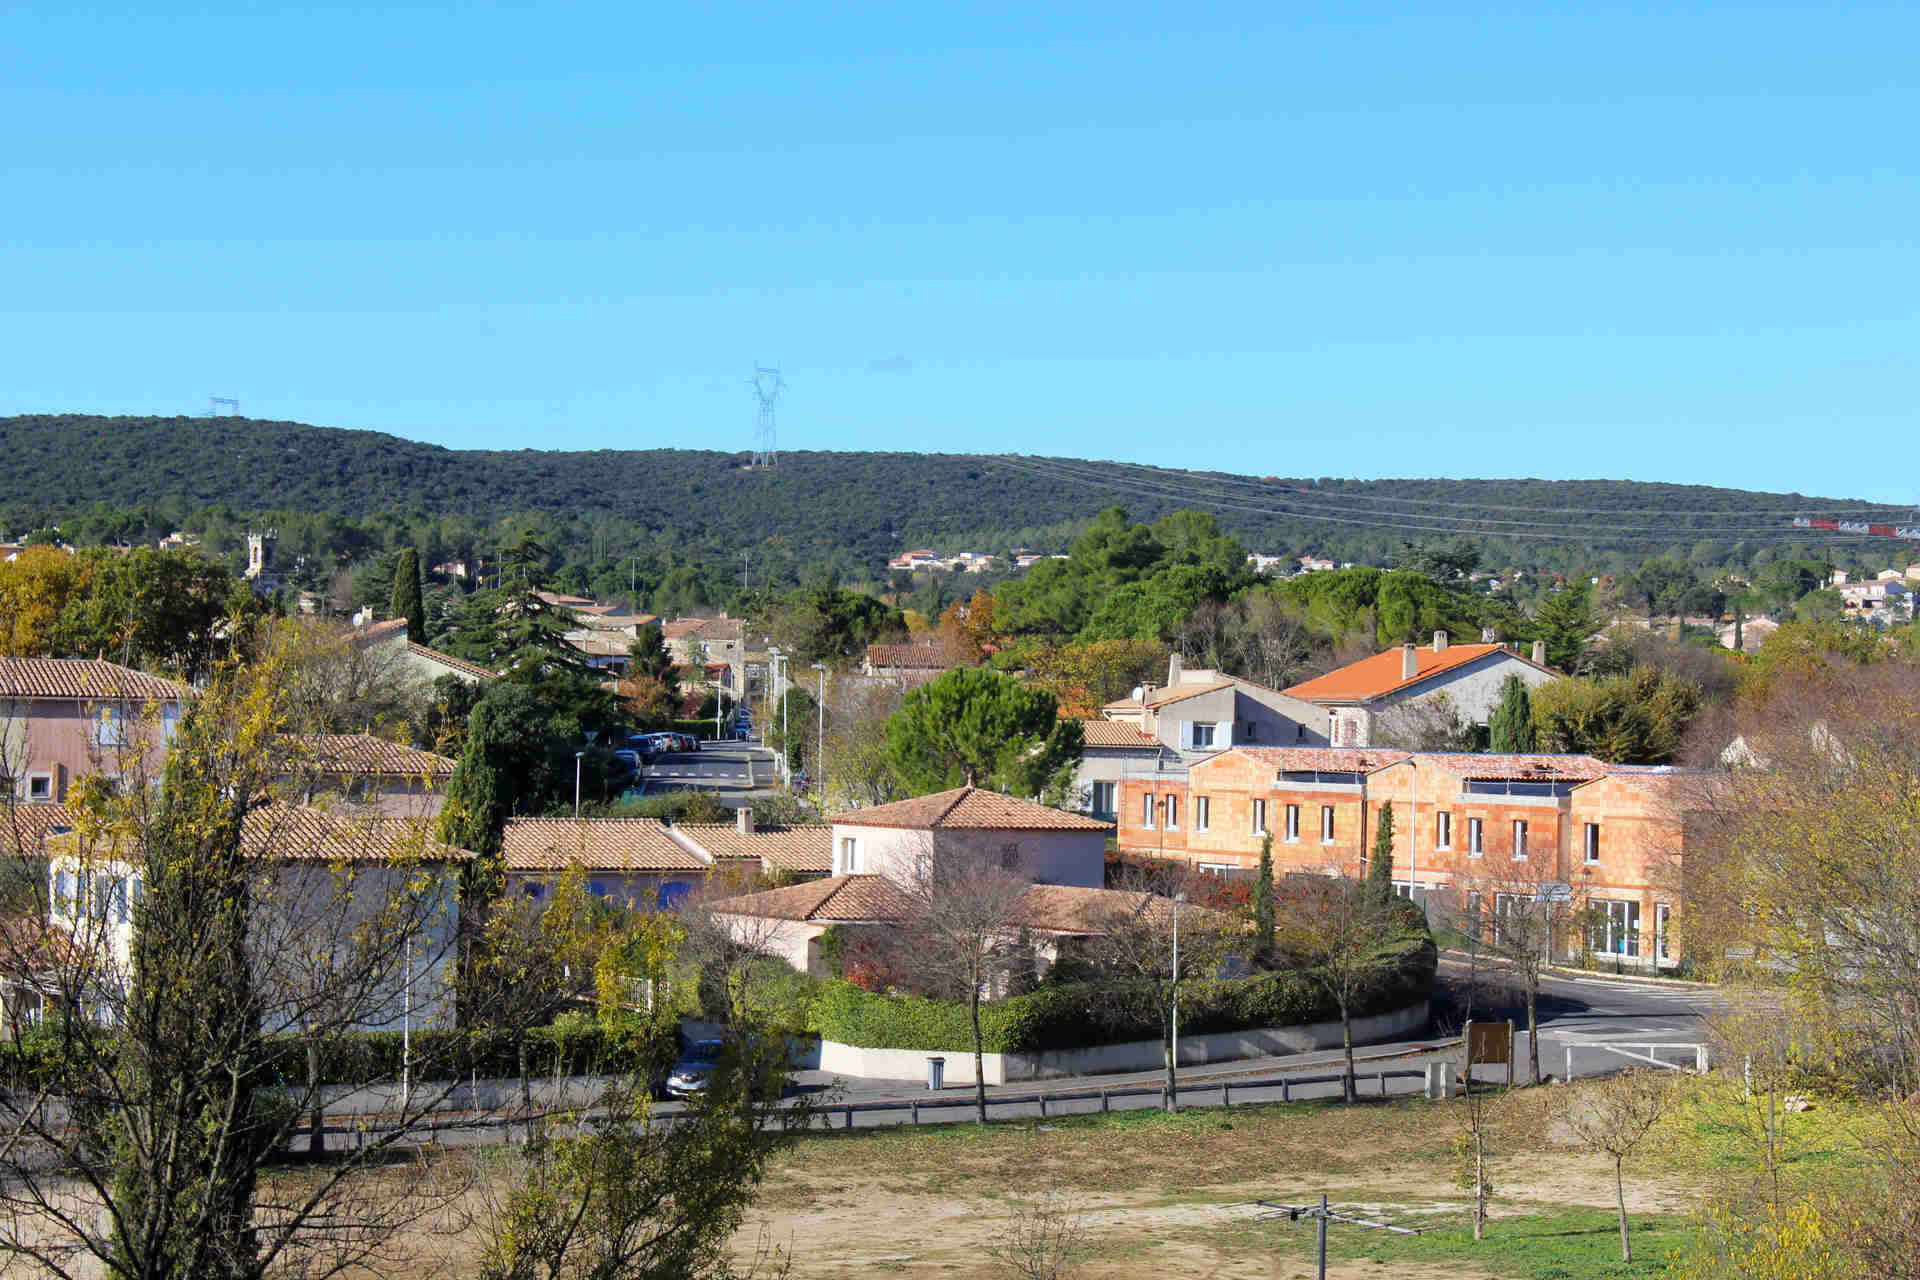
(1134, 1055)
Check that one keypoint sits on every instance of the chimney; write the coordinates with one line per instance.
(1409, 661)
(1175, 669)
(1439, 642)
(743, 820)
(1540, 652)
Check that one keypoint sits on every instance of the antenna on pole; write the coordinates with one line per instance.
(767, 386)
(216, 403)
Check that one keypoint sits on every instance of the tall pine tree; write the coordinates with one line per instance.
(1263, 902)
(1380, 865)
(409, 600)
(1510, 727)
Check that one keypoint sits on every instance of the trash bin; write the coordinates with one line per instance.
(936, 1073)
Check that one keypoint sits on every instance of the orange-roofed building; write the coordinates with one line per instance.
(1360, 699)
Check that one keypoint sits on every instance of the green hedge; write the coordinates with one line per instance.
(373, 1056)
(1075, 1017)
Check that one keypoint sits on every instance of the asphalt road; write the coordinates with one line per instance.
(718, 766)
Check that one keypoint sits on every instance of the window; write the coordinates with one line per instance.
(1253, 731)
(1519, 840)
(1202, 734)
(1146, 810)
(113, 726)
(849, 860)
(534, 892)
(1476, 837)
(1202, 812)
(1103, 799)
(169, 721)
(1009, 856)
(1299, 732)
(1217, 868)
(119, 909)
(1173, 812)
(1662, 917)
(1326, 824)
(65, 893)
(1259, 817)
(1443, 830)
(1293, 824)
(1616, 927)
(40, 787)
(1591, 841)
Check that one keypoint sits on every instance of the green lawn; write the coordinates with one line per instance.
(1544, 1247)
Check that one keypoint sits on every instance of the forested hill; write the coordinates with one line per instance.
(870, 504)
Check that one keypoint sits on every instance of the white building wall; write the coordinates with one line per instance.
(1045, 857)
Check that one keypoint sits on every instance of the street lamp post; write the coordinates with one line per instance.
(820, 733)
(1173, 1066)
(579, 757)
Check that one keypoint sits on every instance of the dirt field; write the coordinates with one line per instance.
(1163, 1196)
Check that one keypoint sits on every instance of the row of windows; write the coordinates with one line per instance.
(95, 895)
(1166, 809)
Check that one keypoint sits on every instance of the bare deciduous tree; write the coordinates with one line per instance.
(963, 908)
(1044, 1238)
(1612, 1116)
(1333, 930)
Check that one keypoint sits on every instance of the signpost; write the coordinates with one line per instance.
(1490, 1043)
(1555, 891)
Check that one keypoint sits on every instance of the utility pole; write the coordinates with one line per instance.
(820, 734)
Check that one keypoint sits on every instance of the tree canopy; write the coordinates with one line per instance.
(980, 728)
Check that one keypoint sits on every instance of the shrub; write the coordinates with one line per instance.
(1073, 1016)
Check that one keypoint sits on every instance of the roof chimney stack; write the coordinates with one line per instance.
(1439, 642)
(1409, 660)
(1540, 652)
(1175, 669)
(743, 820)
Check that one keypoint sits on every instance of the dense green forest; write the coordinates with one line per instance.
(627, 521)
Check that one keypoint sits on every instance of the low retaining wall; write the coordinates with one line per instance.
(1134, 1055)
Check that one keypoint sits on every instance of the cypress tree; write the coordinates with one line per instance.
(409, 601)
(1380, 865)
(1510, 727)
(1263, 902)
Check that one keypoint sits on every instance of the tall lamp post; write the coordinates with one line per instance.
(820, 734)
(1173, 1067)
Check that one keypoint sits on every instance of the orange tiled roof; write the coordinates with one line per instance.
(24, 826)
(969, 808)
(367, 756)
(682, 627)
(917, 655)
(599, 844)
(1381, 674)
(1322, 759)
(302, 833)
(86, 678)
(1112, 733)
(376, 632)
(1474, 767)
(854, 899)
(801, 849)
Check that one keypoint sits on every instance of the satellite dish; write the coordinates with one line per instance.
(1139, 693)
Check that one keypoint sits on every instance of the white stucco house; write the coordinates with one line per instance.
(1355, 698)
(335, 894)
(1046, 846)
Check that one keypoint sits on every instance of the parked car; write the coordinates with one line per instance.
(689, 1075)
(627, 763)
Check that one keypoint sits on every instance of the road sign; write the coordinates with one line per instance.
(1556, 891)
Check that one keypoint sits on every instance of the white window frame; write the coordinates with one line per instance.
(1217, 868)
(1293, 824)
(169, 721)
(1662, 931)
(849, 858)
(1476, 838)
(1326, 824)
(48, 796)
(1619, 926)
(1173, 813)
(1202, 813)
(1195, 728)
(1259, 808)
(110, 726)
(1590, 842)
(1147, 803)
(1519, 839)
(1443, 829)
(1110, 791)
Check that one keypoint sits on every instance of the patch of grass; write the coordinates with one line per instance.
(1552, 1246)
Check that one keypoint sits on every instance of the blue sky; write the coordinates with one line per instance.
(1352, 240)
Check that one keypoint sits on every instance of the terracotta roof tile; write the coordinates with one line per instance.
(24, 826)
(682, 627)
(364, 755)
(82, 678)
(969, 808)
(916, 655)
(1381, 674)
(378, 632)
(1113, 733)
(1318, 759)
(1473, 767)
(837, 899)
(599, 844)
(302, 833)
(803, 849)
